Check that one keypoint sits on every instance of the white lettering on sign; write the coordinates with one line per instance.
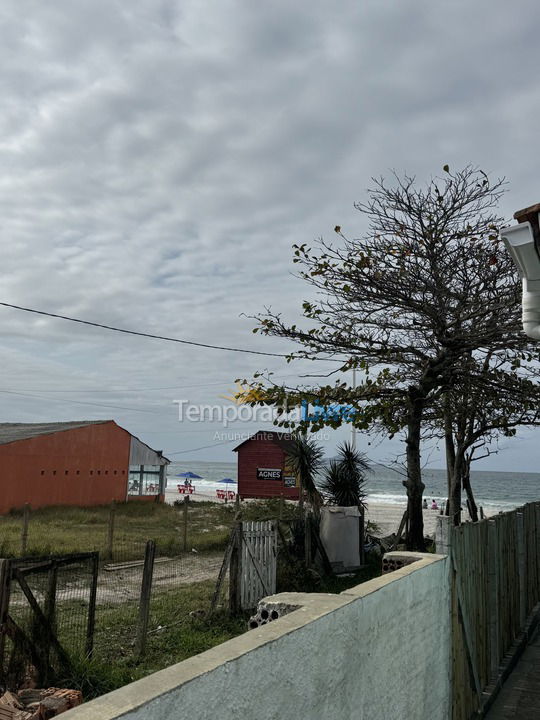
(269, 473)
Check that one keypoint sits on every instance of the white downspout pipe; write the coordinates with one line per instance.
(522, 242)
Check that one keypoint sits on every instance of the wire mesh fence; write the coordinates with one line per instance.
(176, 577)
(59, 612)
(47, 610)
(190, 540)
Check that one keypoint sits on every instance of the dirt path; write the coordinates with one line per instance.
(120, 585)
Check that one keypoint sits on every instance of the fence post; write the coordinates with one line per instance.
(90, 625)
(50, 612)
(144, 603)
(5, 586)
(361, 530)
(24, 532)
(235, 570)
(186, 506)
(110, 531)
(521, 569)
(307, 539)
(536, 550)
(493, 595)
(443, 536)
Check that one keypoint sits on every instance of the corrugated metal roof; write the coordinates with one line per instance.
(142, 454)
(11, 432)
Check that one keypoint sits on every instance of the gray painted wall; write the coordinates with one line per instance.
(380, 651)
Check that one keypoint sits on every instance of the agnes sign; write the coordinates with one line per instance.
(269, 473)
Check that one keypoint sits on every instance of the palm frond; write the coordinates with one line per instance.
(305, 457)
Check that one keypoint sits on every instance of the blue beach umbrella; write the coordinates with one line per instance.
(227, 481)
(190, 475)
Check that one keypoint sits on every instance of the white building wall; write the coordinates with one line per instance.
(380, 651)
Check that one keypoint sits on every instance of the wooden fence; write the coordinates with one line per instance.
(496, 592)
(47, 615)
(253, 564)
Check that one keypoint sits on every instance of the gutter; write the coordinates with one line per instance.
(523, 243)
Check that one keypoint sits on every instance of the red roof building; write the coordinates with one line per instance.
(263, 470)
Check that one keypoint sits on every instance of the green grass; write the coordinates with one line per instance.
(175, 634)
(57, 530)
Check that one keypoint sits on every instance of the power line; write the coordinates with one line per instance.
(203, 447)
(119, 391)
(80, 402)
(142, 334)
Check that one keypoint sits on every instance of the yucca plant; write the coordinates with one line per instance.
(345, 478)
(305, 458)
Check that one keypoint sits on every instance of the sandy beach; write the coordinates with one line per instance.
(206, 495)
(386, 516)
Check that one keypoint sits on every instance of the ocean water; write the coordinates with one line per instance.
(492, 490)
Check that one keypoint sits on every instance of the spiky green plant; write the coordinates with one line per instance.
(305, 457)
(344, 482)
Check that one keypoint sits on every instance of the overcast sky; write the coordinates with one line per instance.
(159, 158)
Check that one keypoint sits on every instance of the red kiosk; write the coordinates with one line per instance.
(263, 470)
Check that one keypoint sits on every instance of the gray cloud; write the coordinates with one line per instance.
(158, 159)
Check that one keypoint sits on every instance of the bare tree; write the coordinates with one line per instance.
(426, 289)
(487, 400)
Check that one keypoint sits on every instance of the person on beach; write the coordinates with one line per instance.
(434, 505)
(424, 504)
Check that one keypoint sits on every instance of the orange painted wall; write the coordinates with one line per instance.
(83, 466)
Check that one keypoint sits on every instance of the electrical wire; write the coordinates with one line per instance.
(119, 391)
(146, 335)
(203, 447)
(80, 402)
(149, 335)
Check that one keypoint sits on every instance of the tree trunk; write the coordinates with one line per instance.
(454, 496)
(450, 451)
(468, 489)
(414, 484)
(454, 499)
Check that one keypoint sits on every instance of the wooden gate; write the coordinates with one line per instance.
(47, 614)
(253, 564)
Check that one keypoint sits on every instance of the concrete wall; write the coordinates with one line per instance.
(380, 651)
